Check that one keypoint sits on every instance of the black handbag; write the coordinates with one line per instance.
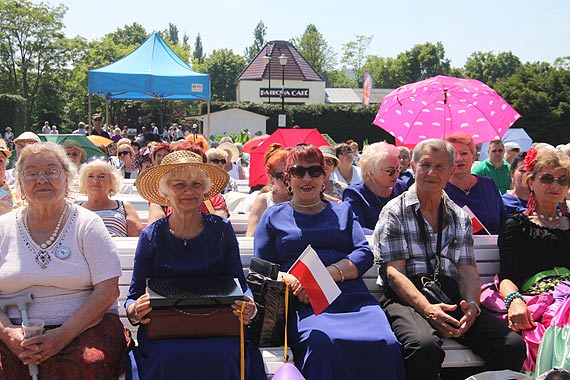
(267, 329)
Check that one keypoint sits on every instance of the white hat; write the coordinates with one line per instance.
(27, 136)
(511, 145)
(229, 147)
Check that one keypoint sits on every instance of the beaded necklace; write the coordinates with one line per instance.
(43, 257)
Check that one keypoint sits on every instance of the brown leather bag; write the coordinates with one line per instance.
(194, 322)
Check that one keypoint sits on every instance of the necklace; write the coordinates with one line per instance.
(53, 234)
(192, 235)
(468, 191)
(295, 204)
(553, 221)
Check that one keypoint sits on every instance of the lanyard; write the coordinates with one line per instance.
(425, 239)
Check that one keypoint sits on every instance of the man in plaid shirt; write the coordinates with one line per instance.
(405, 246)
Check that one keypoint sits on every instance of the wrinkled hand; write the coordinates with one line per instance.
(469, 316)
(15, 336)
(296, 288)
(140, 309)
(443, 323)
(520, 317)
(42, 347)
(248, 311)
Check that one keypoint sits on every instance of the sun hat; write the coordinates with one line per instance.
(27, 136)
(8, 129)
(4, 149)
(511, 145)
(233, 152)
(74, 144)
(329, 152)
(147, 181)
(96, 116)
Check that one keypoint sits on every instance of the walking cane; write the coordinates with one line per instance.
(22, 302)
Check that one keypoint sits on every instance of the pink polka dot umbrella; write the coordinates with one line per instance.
(439, 106)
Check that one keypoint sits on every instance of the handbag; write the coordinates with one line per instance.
(192, 322)
(266, 330)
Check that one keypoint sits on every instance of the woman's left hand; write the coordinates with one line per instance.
(42, 347)
(249, 310)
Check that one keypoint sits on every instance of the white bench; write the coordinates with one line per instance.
(456, 355)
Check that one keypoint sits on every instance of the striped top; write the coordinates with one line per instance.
(115, 220)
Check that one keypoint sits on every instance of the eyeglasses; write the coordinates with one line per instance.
(548, 179)
(314, 171)
(73, 154)
(391, 172)
(123, 153)
(278, 176)
(330, 162)
(34, 175)
(218, 161)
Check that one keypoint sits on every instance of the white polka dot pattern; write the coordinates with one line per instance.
(441, 105)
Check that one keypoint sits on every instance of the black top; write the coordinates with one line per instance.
(526, 248)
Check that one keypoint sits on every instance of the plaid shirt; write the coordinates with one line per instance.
(397, 236)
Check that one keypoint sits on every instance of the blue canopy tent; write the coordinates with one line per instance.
(151, 72)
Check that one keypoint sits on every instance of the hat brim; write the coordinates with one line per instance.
(6, 152)
(335, 158)
(231, 149)
(147, 181)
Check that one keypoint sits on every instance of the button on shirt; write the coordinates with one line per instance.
(398, 237)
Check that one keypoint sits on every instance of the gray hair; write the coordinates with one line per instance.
(433, 144)
(43, 148)
(373, 155)
(114, 175)
(218, 153)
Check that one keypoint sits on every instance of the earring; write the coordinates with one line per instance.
(289, 190)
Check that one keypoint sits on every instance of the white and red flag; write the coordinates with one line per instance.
(476, 223)
(320, 287)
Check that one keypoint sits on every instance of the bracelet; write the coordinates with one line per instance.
(476, 307)
(511, 297)
(339, 271)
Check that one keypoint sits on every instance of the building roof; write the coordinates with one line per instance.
(354, 95)
(297, 67)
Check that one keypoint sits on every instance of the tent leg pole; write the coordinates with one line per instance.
(89, 108)
(209, 129)
(107, 114)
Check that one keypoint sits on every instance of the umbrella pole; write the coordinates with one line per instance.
(209, 126)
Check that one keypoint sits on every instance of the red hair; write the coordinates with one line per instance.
(304, 152)
(273, 156)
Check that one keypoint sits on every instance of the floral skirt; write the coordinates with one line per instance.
(98, 353)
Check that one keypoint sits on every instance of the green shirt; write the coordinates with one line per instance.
(501, 176)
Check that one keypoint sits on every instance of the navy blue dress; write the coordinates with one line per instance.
(352, 338)
(366, 205)
(214, 252)
(514, 204)
(484, 200)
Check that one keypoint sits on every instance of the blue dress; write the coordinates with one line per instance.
(214, 252)
(484, 200)
(352, 338)
(366, 205)
(514, 204)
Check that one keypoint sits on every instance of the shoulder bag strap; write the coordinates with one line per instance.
(424, 234)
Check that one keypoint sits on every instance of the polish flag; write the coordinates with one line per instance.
(320, 287)
(476, 223)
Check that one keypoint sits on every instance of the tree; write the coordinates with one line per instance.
(258, 41)
(224, 67)
(354, 53)
(488, 67)
(32, 44)
(173, 33)
(313, 46)
(198, 50)
(421, 62)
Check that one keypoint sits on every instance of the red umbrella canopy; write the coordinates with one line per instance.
(288, 138)
(439, 106)
(254, 142)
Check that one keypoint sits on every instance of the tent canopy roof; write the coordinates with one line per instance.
(152, 71)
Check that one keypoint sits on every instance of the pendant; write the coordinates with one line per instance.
(43, 259)
(62, 252)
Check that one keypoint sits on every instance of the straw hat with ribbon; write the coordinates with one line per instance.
(147, 181)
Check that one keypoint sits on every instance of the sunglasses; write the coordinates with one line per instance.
(391, 172)
(315, 171)
(278, 176)
(548, 179)
(123, 153)
(218, 161)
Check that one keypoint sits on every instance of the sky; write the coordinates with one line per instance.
(532, 30)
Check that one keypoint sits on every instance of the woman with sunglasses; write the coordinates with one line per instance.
(534, 242)
(275, 157)
(125, 154)
(333, 188)
(346, 171)
(346, 340)
(380, 183)
(219, 157)
(478, 193)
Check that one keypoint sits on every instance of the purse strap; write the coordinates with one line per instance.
(285, 346)
(424, 234)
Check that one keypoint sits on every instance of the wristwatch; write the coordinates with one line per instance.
(476, 307)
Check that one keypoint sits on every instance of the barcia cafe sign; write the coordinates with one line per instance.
(287, 93)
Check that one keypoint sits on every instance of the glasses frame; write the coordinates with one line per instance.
(218, 161)
(314, 171)
(280, 176)
(391, 172)
(54, 173)
(549, 179)
(123, 153)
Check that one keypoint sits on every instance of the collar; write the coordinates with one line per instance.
(411, 201)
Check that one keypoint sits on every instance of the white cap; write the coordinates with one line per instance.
(27, 136)
(512, 145)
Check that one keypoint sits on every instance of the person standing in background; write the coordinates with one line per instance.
(496, 166)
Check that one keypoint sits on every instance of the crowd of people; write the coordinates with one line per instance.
(421, 206)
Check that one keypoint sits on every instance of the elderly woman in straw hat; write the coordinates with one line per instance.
(191, 244)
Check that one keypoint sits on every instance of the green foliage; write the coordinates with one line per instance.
(313, 46)
(258, 41)
(198, 54)
(354, 53)
(12, 113)
(338, 79)
(488, 67)
(224, 67)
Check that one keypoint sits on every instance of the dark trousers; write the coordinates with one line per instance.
(499, 346)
